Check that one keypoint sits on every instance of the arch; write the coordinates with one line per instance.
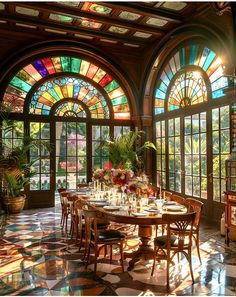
(56, 89)
(71, 108)
(45, 67)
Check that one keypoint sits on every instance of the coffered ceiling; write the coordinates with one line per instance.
(126, 24)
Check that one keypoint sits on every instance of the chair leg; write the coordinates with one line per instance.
(88, 256)
(154, 261)
(122, 256)
(189, 258)
(110, 254)
(168, 275)
(198, 249)
(95, 259)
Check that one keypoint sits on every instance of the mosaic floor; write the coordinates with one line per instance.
(36, 258)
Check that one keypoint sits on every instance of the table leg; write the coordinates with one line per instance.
(145, 251)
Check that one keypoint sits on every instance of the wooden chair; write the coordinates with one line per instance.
(167, 195)
(197, 206)
(179, 242)
(179, 199)
(65, 209)
(98, 238)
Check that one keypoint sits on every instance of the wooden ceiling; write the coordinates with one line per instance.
(127, 24)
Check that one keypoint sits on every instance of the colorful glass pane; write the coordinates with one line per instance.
(188, 89)
(70, 109)
(31, 74)
(195, 55)
(57, 89)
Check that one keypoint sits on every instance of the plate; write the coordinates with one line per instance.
(170, 203)
(139, 214)
(153, 210)
(174, 207)
(111, 207)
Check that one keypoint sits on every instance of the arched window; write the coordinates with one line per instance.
(192, 122)
(73, 104)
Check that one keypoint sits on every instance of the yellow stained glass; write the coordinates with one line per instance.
(58, 91)
(57, 64)
(70, 91)
(84, 67)
(116, 93)
(99, 75)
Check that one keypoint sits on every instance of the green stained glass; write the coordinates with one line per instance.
(182, 57)
(119, 100)
(75, 65)
(66, 64)
(209, 60)
(17, 82)
(192, 88)
(111, 86)
(193, 54)
(52, 91)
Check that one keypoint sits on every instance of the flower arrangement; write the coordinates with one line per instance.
(122, 177)
(103, 176)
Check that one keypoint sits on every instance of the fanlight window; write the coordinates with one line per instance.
(70, 109)
(25, 79)
(57, 89)
(195, 56)
(188, 89)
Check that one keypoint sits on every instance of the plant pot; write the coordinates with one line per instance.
(14, 204)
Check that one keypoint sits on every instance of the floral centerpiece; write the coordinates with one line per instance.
(103, 176)
(121, 177)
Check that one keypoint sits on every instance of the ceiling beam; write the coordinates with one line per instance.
(70, 28)
(146, 10)
(74, 12)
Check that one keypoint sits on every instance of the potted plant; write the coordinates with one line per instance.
(15, 166)
(127, 151)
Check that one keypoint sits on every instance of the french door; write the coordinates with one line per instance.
(191, 153)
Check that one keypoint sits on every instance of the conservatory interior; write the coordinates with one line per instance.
(117, 148)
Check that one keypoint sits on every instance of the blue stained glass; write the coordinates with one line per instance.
(217, 94)
(39, 105)
(173, 107)
(45, 112)
(54, 94)
(182, 57)
(160, 94)
(209, 60)
(163, 87)
(193, 54)
(38, 65)
(76, 91)
(159, 110)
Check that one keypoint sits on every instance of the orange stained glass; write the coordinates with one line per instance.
(99, 75)
(33, 72)
(91, 71)
(116, 93)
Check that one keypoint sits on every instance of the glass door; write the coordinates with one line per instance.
(41, 189)
(71, 154)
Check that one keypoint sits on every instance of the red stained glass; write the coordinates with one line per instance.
(106, 79)
(91, 71)
(49, 65)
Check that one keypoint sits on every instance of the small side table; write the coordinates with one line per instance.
(230, 213)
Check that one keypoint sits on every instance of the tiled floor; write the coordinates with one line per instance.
(36, 258)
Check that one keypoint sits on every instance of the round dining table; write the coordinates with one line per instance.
(145, 223)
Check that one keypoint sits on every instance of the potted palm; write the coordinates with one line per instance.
(15, 166)
(127, 151)
(16, 173)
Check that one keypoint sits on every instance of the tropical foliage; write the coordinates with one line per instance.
(127, 151)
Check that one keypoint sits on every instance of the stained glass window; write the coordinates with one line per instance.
(188, 89)
(197, 57)
(57, 89)
(21, 84)
(70, 109)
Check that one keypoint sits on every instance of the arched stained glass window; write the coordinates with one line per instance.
(189, 88)
(198, 58)
(56, 89)
(70, 109)
(22, 83)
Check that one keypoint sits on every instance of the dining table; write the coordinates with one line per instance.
(144, 218)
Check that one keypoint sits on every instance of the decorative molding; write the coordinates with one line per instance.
(221, 7)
